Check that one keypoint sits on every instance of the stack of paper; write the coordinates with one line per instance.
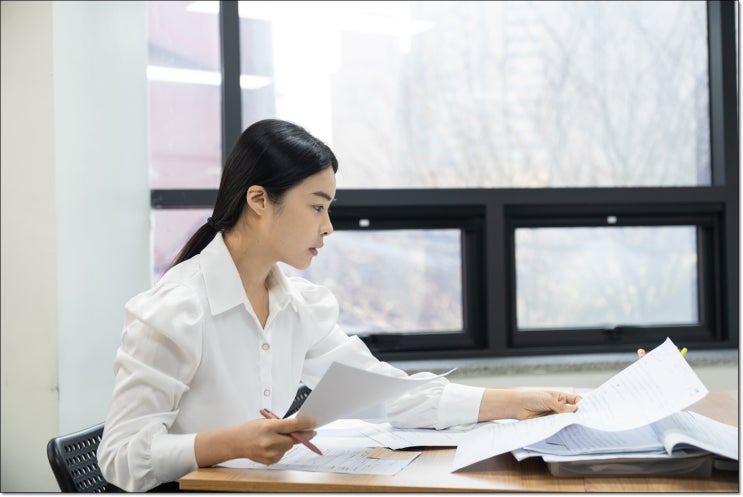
(638, 411)
(682, 432)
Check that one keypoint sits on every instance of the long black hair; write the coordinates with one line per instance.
(274, 154)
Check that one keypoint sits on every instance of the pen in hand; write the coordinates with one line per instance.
(296, 436)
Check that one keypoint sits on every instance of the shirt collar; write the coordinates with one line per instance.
(224, 288)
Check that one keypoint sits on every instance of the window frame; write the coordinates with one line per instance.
(490, 319)
(706, 217)
(470, 221)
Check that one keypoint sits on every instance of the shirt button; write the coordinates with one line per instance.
(266, 392)
(265, 346)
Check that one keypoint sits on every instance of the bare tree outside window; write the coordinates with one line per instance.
(457, 94)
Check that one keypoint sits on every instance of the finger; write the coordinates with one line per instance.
(566, 408)
(297, 424)
(568, 398)
(307, 435)
(564, 402)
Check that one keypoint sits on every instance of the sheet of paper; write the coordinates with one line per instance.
(680, 432)
(699, 431)
(344, 433)
(620, 456)
(334, 460)
(521, 454)
(577, 439)
(344, 390)
(649, 389)
(401, 438)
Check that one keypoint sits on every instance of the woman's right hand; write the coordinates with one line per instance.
(267, 440)
(261, 440)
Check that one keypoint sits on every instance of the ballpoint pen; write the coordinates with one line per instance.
(296, 436)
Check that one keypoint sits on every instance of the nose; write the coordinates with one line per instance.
(327, 227)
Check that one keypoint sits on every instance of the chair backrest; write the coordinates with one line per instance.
(302, 393)
(74, 461)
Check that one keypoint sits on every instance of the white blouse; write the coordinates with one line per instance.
(194, 357)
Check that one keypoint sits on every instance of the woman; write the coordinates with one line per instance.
(225, 333)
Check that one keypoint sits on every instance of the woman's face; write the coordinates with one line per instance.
(301, 221)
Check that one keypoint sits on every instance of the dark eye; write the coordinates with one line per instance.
(319, 208)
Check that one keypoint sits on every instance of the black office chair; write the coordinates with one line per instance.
(75, 464)
(302, 393)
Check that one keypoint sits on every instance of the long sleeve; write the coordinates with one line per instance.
(160, 350)
(437, 404)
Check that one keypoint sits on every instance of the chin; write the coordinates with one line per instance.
(301, 266)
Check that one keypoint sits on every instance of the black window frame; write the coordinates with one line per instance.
(706, 217)
(488, 269)
(469, 220)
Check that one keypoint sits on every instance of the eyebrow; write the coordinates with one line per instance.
(325, 196)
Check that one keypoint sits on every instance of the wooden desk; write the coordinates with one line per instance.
(430, 472)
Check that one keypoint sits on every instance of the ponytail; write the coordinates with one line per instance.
(198, 241)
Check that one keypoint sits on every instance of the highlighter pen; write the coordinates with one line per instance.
(640, 353)
(683, 352)
(296, 436)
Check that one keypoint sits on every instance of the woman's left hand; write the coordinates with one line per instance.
(525, 404)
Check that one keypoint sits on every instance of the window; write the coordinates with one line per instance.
(609, 274)
(635, 276)
(485, 148)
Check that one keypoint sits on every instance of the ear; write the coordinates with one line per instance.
(256, 199)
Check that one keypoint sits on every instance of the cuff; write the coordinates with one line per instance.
(173, 456)
(459, 405)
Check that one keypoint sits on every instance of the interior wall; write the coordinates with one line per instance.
(100, 122)
(75, 217)
(28, 247)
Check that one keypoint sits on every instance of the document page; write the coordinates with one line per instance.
(344, 390)
(577, 439)
(649, 389)
(685, 428)
(345, 449)
(400, 438)
(678, 434)
(358, 460)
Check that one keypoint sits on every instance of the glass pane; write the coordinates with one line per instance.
(604, 277)
(171, 230)
(488, 94)
(184, 99)
(392, 281)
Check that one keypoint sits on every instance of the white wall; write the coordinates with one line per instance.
(29, 277)
(103, 201)
(75, 217)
